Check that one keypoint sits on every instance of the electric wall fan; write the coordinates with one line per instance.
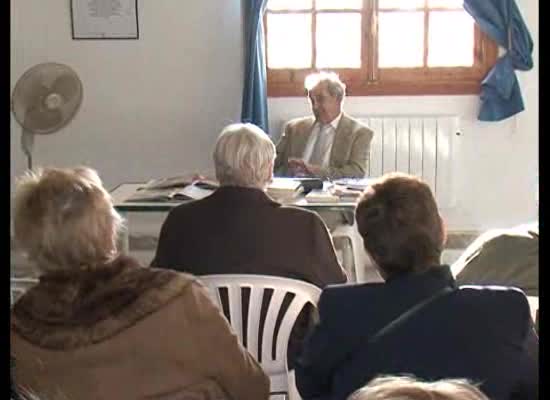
(45, 99)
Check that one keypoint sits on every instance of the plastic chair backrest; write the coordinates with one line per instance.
(533, 305)
(274, 367)
(361, 261)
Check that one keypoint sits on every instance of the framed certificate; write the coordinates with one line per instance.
(104, 19)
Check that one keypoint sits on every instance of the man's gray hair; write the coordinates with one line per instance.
(244, 156)
(335, 86)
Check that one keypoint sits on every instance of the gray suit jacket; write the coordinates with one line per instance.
(349, 153)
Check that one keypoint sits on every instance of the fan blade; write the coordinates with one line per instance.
(28, 97)
(66, 86)
(42, 120)
(37, 95)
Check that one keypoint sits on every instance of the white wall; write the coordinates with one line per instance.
(154, 106)
(498, 162)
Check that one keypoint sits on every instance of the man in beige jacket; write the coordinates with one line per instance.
(330, 144)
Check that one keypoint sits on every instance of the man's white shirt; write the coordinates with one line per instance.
(329, 130)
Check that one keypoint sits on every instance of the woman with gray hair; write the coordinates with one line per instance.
(244, 157)
(99, 326)
(239, 229)
(408, 388)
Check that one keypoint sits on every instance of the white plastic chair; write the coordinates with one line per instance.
(18, 286)
(351, 244)
(275, 368)
(533, 305)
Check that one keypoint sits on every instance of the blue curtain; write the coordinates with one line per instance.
(254, 106)
(502, 21)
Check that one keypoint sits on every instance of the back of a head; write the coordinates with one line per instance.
(408, 388)
(244, 156)
(402, 231)
(64, 218)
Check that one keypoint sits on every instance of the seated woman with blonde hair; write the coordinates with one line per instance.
(408, 388)
(100, 326)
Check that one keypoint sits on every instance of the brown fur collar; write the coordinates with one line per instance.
(71, 309)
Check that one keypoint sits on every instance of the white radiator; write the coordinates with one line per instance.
(420, 145)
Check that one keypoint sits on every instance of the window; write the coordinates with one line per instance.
(378, 47)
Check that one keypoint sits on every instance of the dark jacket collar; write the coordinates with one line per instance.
(427, 282)
(243, 195)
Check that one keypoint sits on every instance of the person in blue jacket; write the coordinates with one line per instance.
(418, 321)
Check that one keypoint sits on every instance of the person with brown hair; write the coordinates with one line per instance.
(409, 388)
(418, 321)
(100, 326)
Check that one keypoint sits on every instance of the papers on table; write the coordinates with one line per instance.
(284, 190)
(321, 196)
(158, 193)
(350, 189)
(345, 194)
(179, 182)
(354, 183)
(195, 191)
(284, 184)
(146, 195)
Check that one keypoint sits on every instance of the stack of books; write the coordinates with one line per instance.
(284, 189)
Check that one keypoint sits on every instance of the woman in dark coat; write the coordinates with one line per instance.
(418, 321)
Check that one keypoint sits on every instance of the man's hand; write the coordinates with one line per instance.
(299, 167)
(197, 177)
(313, 170)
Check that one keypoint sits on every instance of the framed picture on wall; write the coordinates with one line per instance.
(104, 19)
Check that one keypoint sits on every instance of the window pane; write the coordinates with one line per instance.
(336, 4)
(403, 4)
(445, 3)
(401, 39)
(289, 40)
(341, 47)
(451, 39)
(289, 4)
